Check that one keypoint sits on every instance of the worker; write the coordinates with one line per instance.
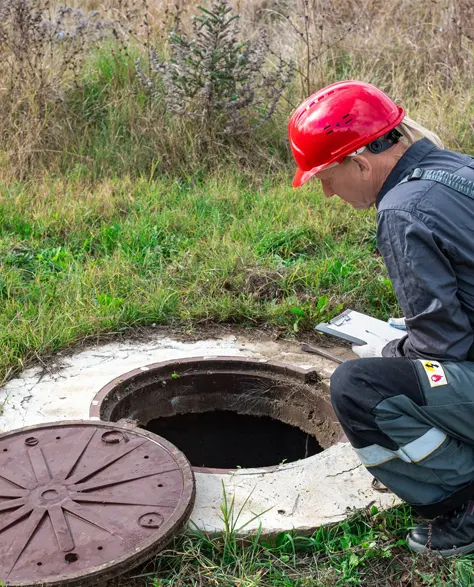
(407, 407)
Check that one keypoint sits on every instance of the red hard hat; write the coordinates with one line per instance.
(336, 121)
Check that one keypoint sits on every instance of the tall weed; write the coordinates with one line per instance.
(71, 103)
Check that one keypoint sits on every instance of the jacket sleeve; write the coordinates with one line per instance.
(426, 287)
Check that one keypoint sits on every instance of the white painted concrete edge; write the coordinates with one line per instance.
(305, 495)
(302, 496)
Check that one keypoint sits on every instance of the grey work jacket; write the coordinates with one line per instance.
(425, 233)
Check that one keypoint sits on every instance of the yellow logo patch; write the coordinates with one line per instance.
(435, 373)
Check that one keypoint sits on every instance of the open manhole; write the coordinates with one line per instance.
(226, 413)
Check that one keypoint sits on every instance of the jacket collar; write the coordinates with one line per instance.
(409, 161)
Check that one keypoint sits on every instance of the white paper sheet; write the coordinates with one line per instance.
(360, 326)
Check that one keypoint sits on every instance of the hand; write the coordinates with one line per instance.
(398, 323)
(375, 344)
(373, 348)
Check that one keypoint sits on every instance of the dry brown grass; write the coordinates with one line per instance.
(422, 54)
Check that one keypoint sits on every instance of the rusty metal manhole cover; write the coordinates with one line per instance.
(83, 501)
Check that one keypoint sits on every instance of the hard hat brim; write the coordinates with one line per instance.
(302, 177)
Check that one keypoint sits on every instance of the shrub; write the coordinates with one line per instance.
(42, 50)
(216, 78)
(41, 45)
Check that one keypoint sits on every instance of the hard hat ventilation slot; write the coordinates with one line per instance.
(350, 120)
(326, 127)
(329, 132)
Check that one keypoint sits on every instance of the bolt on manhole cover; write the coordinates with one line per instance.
(85, 501)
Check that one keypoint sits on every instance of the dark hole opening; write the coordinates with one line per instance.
(227, 440)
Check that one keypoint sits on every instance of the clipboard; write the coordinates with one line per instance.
(352, 326)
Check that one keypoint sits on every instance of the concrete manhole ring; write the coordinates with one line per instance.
(85, 501)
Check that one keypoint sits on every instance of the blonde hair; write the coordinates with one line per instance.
(412, 132)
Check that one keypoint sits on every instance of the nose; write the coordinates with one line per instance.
(327, 190)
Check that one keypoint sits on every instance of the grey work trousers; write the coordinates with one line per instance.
(412, 424)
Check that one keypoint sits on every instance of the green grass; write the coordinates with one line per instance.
(81, 259)
(368, 549)
(78, 260)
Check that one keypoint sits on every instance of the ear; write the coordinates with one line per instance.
(364, 166)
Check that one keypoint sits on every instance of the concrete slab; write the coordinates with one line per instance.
(302, 495)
